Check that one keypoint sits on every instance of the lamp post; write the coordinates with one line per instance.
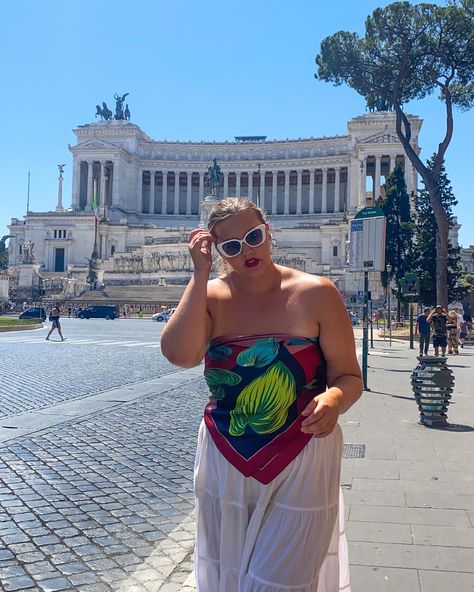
(389, 320)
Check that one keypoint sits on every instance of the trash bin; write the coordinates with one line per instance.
(433, 383)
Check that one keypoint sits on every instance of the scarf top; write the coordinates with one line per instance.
(259, 386)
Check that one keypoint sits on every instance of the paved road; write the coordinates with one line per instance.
(101, 499)
(97, 355)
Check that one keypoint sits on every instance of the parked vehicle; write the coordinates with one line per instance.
(103, 311)
(163, 315)
(33, 312)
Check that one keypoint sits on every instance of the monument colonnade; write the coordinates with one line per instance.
(284, 190)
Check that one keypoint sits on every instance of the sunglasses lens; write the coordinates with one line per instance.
(255, 237)
(231, 248)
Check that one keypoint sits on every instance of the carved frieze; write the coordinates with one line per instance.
(387, 137)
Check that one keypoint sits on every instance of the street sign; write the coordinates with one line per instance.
(367, 241)
(410, 285)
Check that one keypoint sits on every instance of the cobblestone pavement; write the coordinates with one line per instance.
(98, 355)
(103, 504)
(99, 499)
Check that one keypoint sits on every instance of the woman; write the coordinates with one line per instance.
(267, 467)
(452, 327)
(55, 324)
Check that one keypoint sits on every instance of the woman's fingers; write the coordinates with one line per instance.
(200, 248)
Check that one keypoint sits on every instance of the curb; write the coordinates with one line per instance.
(21, 327)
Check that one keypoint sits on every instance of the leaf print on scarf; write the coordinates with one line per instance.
(260, 354)
(263, 404)
(216, 377)
(219, 352)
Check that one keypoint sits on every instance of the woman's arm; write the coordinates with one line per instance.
(343, 372)
(186, 334)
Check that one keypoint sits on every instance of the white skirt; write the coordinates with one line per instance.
(287, 536)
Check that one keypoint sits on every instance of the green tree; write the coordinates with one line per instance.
(425, 240)
(399, 231)
(408, 53)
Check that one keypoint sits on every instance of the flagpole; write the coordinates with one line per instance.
(28, 195)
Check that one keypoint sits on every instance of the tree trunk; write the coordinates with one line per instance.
(442, 237)
(431, 179)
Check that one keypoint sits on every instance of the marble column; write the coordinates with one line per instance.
(337, 189)
(114, 200)
(103, 246)
(201, 188)
(102, 184)
(142, 196)
(274, 192)
(392, 163)
(237, 183)
(152, 192)
(311, 191)
(89, 185)
(189, 192)
(76, 183)
(262, 190)
(414, 178)
(324, 192)
(59, 206)
(286, 209)
(299, 190)
(176, 193)
(226, 184)
(353, 183)
(250, 187)
(164, 193)
(362, 184)
(378, 162)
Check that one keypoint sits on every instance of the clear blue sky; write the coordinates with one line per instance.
(195, 71)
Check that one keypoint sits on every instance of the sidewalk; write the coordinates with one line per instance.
(410, 501)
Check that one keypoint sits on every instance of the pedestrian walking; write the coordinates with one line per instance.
(438, 319)
(452, 327)
(281, 366)
(423, 330)
(55, 324)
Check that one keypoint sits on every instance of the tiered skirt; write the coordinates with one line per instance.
(287, 536)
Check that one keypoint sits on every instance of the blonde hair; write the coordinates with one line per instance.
(228, 206)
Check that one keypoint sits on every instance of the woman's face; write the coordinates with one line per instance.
(251, 259)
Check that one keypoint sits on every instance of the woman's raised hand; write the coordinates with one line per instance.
(200, 242)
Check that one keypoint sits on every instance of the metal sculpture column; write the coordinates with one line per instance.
(59, 207)
(433, 383)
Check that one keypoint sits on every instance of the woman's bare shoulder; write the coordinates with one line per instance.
(306, 281)
(217, 287)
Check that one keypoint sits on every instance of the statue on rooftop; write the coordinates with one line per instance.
(119, 101)
(104, 112)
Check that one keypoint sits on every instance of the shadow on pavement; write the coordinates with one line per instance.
(452, 427)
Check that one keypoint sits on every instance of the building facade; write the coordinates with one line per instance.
(149, 195)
